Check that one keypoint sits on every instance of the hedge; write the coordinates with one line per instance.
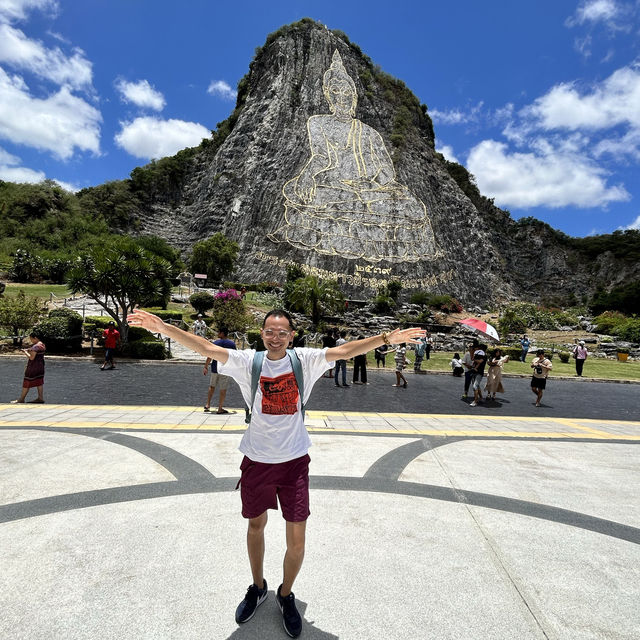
(146, 349)
(61, 331)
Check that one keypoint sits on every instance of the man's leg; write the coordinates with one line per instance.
(294, 556)
(255, 547)
(210, 392)
(223, 395)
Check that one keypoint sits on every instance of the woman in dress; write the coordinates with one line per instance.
(401, 363)
(494, 375)
(34, 371)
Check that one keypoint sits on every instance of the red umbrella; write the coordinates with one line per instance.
(481, 328)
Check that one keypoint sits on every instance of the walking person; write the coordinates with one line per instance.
(341, 365)
(329, 341)
(200, 327)
(541, 367)
(525, 343)
(360, 367)
(428, 346)
(494, 374)
(420, 350)
(467, 363)
(111, 341)
(34, 370)
(401, 363)
(580, 354)
(217, 379)
(479, 362)
(276, 386)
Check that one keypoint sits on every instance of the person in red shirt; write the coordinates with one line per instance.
(111, 340)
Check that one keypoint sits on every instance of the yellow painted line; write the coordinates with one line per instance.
(575, 425)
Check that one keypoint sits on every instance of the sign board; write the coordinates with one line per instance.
(200, 275)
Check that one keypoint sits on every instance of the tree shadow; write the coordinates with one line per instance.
(266, 624)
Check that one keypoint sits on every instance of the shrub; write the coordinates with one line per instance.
(609, 322)
(629, 330)
(201, 301)
(445, 303)
(19, 313)
(147, 349)
(511, 322)
(564, 356)
(229, 311)
(255, 340)
(61, 331)
(138, 333)
(384, 304)
(420, 298)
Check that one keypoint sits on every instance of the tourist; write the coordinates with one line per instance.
(467, 363)
(275, 444)
(200, 327)
(429, 345)
(329, 341)
(479, 362)
(217, 379)
(111, 341)
(580, 354)
(300, 340)
(360, 367)
(380, 354)
(401, 363)
(34, 371)
(494, 374)
(541, 367)
(341, 365)
(456, 365)
(525, 343)
(420, 350)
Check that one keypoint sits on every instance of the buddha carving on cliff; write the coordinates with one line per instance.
(346, 200)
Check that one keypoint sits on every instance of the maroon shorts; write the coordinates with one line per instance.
(263, 484)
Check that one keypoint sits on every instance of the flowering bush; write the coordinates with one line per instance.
(224, 296)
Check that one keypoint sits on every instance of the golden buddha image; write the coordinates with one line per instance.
(346, 200)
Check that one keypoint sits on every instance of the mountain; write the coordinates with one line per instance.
(329, 163)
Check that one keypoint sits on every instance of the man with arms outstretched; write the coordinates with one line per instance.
(275, 467)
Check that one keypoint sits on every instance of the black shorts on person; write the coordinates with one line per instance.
(538, 383)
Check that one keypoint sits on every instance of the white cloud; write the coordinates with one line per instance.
(634, 225)
(59, 123)
(592, 11)
(52, 64)
(615, 101)
(447, 151)
(550, 176)
(140, 93)
(456, 116)
(11, 10)
(221, 89)
(10, 172)
(154, 138)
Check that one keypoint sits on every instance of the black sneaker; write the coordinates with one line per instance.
(291, 619)
(254, 598)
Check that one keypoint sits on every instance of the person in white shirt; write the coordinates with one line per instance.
(275, 467)
(200, 326)
(580, 354)
(456, 365)
(541, 367)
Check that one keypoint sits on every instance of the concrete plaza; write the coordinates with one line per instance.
(123, 522)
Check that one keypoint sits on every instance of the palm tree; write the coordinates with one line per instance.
(312, 295)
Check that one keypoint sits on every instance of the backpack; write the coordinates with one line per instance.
(256, 369)
(420, 348)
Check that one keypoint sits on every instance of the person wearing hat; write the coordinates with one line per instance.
(580, 354)
(541, 367)
(111, 340)
(200, 327)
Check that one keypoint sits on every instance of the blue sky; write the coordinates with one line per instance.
(540, 101)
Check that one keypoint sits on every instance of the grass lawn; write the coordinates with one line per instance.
(593, 368)
(38, 290)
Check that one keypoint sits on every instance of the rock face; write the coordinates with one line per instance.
(330, 164)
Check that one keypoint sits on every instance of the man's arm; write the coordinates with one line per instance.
(358, 347)
(200, 345)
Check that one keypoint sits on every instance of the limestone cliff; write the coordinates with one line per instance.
(329, 163)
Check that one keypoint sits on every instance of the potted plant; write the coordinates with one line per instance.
(623, 354)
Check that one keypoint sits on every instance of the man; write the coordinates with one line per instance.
(525, 343)
(420, 351)
(217, 379)
(429, 345)
(341, 365)
(111, 340)
(275, 444)
(477, 372)
(200, 327)
(541, 367)
(467, 363)
(580, 353)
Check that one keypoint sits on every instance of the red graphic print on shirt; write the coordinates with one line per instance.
(279, 395)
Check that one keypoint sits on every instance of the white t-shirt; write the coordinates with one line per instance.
(277, 432)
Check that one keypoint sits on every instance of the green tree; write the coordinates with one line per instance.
(214, 256)
(19, 314)
(313, 296)
(229, 311)
(120, 277)
(201, 301)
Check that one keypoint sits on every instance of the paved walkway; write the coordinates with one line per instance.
(122, 522)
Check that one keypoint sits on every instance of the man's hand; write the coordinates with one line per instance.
(146, 320)
(411, 336)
